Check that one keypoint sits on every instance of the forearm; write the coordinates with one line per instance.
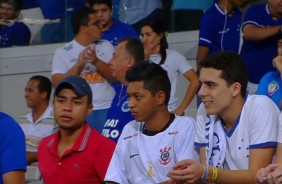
(13, 177)
(31, 157)
(104, 70)
(254, 33)
(75, 70)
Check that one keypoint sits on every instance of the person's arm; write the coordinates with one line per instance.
(104, 69)
(192, 171)
(193, 79)
(201, 54)
(75, 70)
(14, 177)
(252, 32)
(31, 157)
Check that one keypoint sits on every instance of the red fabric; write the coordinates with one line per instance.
(86, 162)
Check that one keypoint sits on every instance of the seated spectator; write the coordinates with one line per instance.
(113, 30)
(76, 153)
(12, 151)
(58, 9)
(273, 172)
(236, 132)
(128, 52)
(39, 123)
(12, 32)
(271, 83)
(135, 12)
(156, 50)
(149, 146)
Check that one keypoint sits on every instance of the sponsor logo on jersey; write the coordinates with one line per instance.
(125, 107)
(131, 136)
(272, 87)
(165, 157)
(173, 133)
(150, 172)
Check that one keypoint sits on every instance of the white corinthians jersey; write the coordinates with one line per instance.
(139, 158)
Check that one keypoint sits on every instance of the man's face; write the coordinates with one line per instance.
(104, 14)
(215, 93)
(141, 102)
(70, 110)
(119, 64)
(7, 11)
(32, 95)
(94, 31)
(275, 7)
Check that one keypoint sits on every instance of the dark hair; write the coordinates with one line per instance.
(135, 48)
(16, 4)
(44, 84)
(106, 2)
(232, 66)
(158, 27)
(155, 78)
(80, 18)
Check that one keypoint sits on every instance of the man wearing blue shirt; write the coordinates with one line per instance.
(14, 33)
(261, 28)
(12, 151)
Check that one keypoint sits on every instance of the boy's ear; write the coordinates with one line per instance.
(160, 97)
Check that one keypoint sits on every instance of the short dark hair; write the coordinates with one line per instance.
(80, 18)
(16, 4)
(233, 69)
(135, 48)
(155, 78)
(106, 2)
(44, 84)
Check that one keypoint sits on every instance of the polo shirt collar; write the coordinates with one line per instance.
(47, 114)
(79, 145)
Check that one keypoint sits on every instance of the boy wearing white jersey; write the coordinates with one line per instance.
(149, 146)
(236, 132)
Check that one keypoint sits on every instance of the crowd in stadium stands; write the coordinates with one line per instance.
(115, 116)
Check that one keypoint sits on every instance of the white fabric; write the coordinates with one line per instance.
(66, 56)
(213, 133)
(175, 64)
(257, 128)
(279, 137)
(35, 131)
(139, 158)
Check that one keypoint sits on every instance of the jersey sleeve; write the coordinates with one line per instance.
(200, 137)
(183, 64)
(12, 146)
(206, 32)
(185, 141)
(262, 117)
(58, 64)
(116, 171)
(262, 86)
(279, 137)
(251, 17)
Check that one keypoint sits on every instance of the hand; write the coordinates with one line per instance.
(188, 171)
(275, 173)
(265, 175)
(277, 63)
(88, 55)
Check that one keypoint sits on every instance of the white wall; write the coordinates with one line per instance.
(18, 64)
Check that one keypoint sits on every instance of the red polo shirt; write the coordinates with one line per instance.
(86, 162)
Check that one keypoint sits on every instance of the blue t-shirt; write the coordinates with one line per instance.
(118, 31)
(17, 34)
(30, 4)
(12, 146)
(53, 9)
(118, 114)
(219, 31)
(271, 86)
(258, 55)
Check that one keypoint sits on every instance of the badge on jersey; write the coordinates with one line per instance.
(272, 87)
(165, 157)
(150, 172)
